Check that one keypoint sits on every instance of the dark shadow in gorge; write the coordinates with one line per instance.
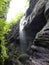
(37, 53)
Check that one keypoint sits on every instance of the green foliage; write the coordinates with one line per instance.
(12, 22)
(16, 19)
(4, 4)
(4, 27)
(28, 0)
(18, 15)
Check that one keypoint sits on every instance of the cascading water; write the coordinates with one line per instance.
(22, 33)
(25, 21)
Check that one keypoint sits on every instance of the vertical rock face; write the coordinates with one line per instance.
(40, 49)
(47, 11)
(38, 52)
(42, 38)
(31, 7)
(34, 22)
(24, 22)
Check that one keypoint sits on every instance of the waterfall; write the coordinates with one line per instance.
(22, 34)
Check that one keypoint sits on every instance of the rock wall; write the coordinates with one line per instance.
(38, 50)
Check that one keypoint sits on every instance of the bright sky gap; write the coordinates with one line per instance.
(16, 6)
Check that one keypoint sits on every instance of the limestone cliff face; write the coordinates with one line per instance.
(35, 21)
(42, 37)
(37, 52)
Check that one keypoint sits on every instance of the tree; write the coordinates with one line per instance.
(4, 4)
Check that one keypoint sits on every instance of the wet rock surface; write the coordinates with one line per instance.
(34, 56)
(37, 52)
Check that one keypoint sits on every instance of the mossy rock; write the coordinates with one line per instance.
(23, 58)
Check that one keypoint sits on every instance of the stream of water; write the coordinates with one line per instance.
(22, 33)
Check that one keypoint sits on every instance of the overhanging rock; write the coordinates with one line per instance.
(42, 38)
(34, 22)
